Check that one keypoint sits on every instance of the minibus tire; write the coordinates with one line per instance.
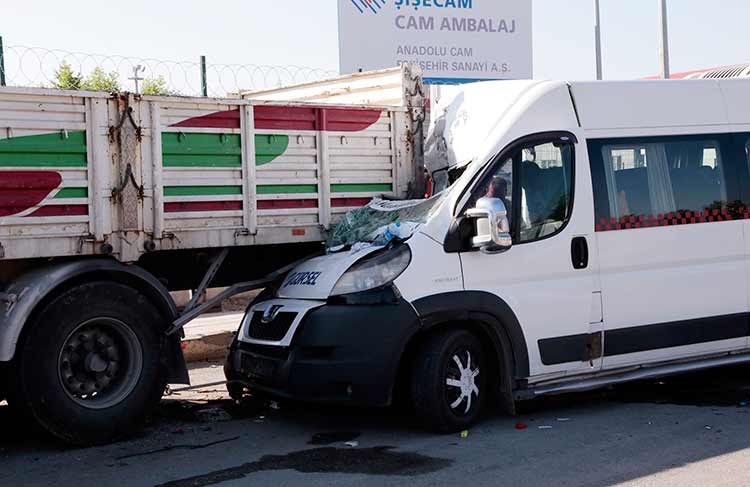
(434, 401)
(103, 337)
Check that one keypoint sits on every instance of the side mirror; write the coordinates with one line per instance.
(492, 226)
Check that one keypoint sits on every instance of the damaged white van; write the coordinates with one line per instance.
(600, 235)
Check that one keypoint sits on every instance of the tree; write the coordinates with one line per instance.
(156, 86)
(66, 79)
(98, 80)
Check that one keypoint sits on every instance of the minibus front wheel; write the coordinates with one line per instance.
(449, 380)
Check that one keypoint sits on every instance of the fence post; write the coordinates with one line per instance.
(204, 83)
(2, 63)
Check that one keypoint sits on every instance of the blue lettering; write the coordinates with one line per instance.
(464, 4)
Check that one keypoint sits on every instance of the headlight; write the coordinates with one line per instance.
(378, 270)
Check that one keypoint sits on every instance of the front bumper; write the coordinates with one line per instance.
(339, 353)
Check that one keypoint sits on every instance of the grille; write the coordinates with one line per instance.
(272, 331)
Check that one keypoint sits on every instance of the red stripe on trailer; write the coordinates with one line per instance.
(286, 204)
(202, 206)
(226, 119)
(350, 119)
(271, 117)
(349, 202)
(21, 190)
(61, 210)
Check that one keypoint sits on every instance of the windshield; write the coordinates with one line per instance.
(382, 221)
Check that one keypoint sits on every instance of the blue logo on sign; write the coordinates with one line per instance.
(373, 6)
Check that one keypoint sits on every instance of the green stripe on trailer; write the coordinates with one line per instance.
(45, 150)
(269, 147)
(54, 143)
(287, 188)
(201, 150)
(201, 161)
(201, 190)
(217, 150)
(175, 143)
(42, 160)
(361, 188)
(72, 193)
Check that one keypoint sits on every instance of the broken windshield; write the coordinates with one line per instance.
(381, 221)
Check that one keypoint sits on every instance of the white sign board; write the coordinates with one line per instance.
(452, 40)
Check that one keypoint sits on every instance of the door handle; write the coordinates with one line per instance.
(579, 252)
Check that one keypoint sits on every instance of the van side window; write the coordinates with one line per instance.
(536, 185)
(657, 181)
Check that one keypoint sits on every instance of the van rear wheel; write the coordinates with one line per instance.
(91, 368)
(448, 382)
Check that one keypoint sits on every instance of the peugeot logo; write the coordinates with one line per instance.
(270, 313)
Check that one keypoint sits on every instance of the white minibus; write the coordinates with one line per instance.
(600, 235)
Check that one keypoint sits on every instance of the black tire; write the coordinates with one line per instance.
(433, 399)
(91, 369)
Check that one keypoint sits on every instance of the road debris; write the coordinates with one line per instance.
(352, 444)
(464, 434)
(521, 426)
(178, 447)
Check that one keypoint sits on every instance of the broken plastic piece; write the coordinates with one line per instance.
(521, 426)
(464, 434)
(545, 427)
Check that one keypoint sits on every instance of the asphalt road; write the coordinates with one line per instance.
(692, 430)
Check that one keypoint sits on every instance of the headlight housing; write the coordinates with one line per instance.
(375, 271)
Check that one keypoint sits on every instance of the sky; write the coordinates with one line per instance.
(304, 32)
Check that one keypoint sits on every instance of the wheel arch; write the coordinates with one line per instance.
(33, 289)
(488, 316)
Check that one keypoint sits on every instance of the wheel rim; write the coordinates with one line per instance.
(462, 390)
(100, 363)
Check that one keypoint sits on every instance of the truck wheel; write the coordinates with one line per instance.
(448, 382)
(91, 369)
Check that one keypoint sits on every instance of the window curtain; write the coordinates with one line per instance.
(660, 184)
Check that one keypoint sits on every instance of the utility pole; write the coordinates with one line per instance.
(204, 81)
(2, 63)
(136, 78)
(598, 36)
(664, 39)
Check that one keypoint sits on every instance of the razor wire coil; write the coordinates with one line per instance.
(37, 67)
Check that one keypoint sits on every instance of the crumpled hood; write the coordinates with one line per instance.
(315, 278)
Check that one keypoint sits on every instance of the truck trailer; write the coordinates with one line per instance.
(109, 202)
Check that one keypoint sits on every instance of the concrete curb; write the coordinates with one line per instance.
(209, 347)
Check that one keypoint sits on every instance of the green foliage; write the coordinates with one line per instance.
(98, 80)
(66, 78)
(156, 86)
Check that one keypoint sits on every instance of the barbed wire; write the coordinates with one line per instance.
(37, 67)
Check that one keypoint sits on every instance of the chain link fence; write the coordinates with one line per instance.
(40, 68)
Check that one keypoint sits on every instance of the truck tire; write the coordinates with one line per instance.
(90, 368)
(448, 381)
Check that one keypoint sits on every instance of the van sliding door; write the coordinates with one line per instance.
(669, 232)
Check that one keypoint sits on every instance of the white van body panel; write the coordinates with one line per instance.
(536, 279)
(736, 100)
(653, 276)
(643, 104)
(431, 271)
